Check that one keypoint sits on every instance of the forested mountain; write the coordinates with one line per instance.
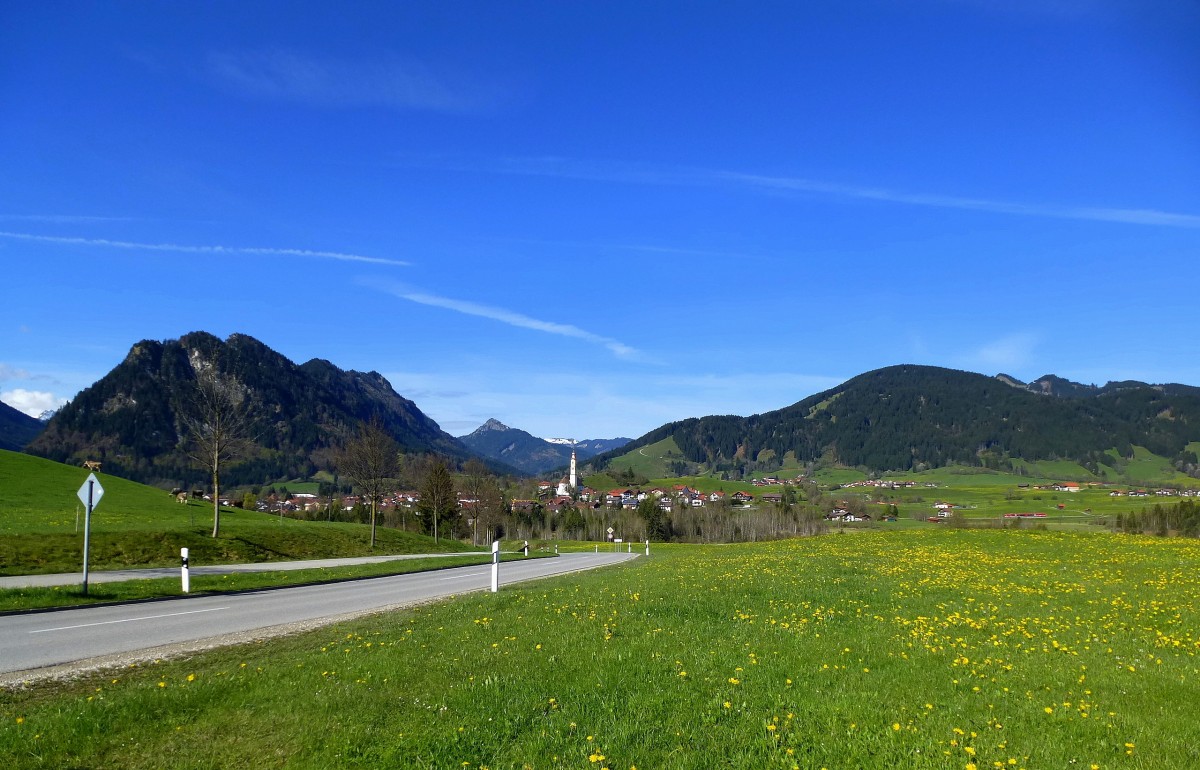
(1053, 385)
(915, 417)
(529, 453)
(17, 428)
(131, 418)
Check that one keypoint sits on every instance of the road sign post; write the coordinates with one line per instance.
(183, 568)
(89, 494)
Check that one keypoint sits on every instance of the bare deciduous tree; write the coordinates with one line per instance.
(438, 498)
(371, 460)
(488, 506)
(218, 426)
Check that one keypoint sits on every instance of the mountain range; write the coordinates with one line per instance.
(897, 418)
(527, 452)
(17, 428)
(131, 419)
(915, 417)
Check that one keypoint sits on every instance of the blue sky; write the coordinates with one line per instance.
(589, 219)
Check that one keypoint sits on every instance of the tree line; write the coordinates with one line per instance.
(1181, 519)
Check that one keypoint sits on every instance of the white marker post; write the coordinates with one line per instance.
(526, 549)
(89, 494)
(183, 568)
(647, 547)
(495, 566)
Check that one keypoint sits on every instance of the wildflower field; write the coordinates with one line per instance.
(962, 649)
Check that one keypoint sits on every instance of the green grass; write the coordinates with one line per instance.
(139, 526)
(161, 588)
(651, 461)
(297, 486)
(1148, 468)
(831, 476)
(920, 649)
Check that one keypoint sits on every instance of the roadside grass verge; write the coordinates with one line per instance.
(920, 649)
(41, 527)
(241, 541)
(18, 599)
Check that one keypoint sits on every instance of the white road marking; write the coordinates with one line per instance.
(125, 620)
(460, 577)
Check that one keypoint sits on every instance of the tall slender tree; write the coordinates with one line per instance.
(371, 460)
(438, 499)
(218, 425)
(490, 508)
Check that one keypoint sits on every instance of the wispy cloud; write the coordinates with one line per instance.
(1095, 213)
(323, 82)
(62, 218)
(627, 173)
(504, 316)
(641, 247)
(1010, 352)
(227, 250)
(12, 373)
(597, 404)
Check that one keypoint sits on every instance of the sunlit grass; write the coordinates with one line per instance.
(41, 527)
(921, 649)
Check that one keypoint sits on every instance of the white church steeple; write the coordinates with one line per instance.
(568, 483)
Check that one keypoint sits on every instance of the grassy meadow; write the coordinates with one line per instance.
(926, 648)
(41, 527)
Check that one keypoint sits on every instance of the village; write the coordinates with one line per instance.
(558, 498)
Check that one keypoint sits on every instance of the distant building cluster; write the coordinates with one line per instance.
(1164, 492)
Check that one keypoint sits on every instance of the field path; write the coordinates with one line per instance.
(63, 642)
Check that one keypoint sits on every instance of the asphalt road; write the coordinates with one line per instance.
(47, 639)
(116, 576)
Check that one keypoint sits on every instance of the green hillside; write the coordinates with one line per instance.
(17, 428)
(916, 418)
(652, 461)
(41, 526)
